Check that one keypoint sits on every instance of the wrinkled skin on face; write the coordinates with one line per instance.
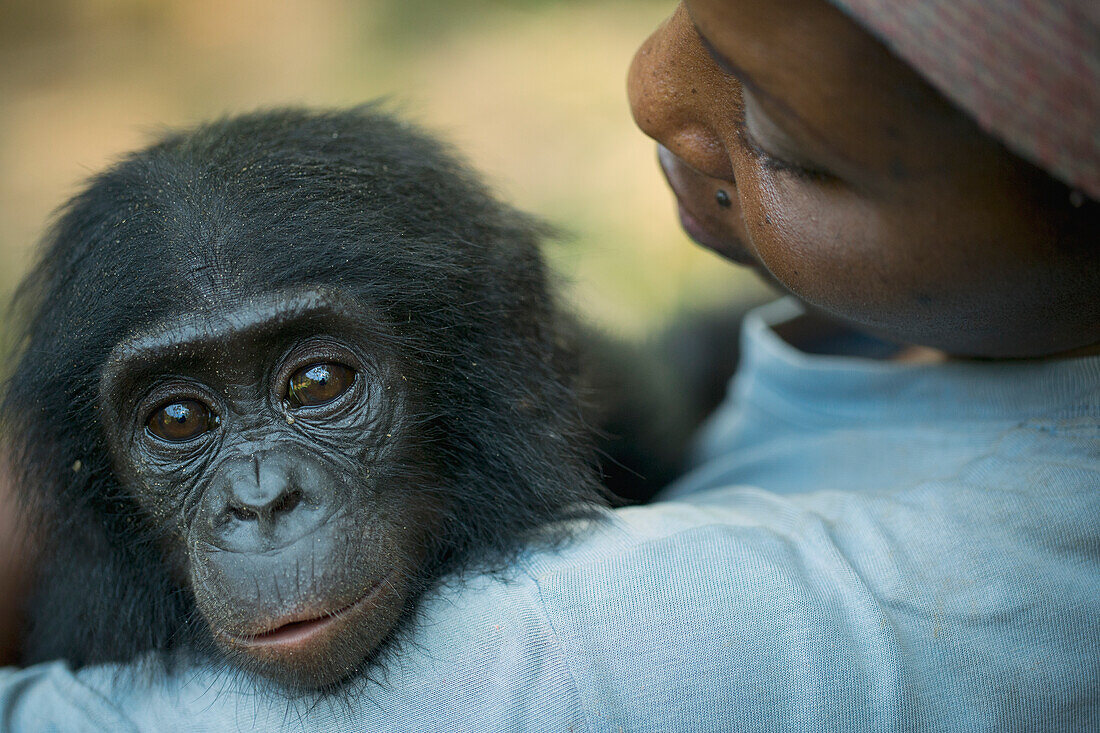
(258, 436)
(797, 144)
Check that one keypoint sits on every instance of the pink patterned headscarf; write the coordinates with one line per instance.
(1027, 70)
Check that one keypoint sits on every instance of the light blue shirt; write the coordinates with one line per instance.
(863, 546)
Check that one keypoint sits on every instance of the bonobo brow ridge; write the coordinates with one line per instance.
(259, 314)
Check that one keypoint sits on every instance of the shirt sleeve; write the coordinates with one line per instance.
(480, 656)
(49, 697)
(745, 620)
(672, 617)
(743, 611)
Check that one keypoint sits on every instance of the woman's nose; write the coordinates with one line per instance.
(680, 97)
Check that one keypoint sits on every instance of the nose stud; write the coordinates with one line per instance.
(723, 198)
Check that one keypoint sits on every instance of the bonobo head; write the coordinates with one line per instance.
(260, 435)
(280, 373)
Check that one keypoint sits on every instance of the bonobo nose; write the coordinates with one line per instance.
(266, 499)
(262, 492)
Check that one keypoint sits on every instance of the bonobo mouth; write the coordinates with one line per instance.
(300, 630)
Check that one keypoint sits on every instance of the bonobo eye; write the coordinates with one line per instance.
(182, 421)
(317, 384)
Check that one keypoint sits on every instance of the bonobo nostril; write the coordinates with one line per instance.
(283, 503)
(243, 514)
(260, 487)
(286, 502)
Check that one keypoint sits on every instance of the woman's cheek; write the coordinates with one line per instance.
(820, 243)
(781, 230)
(832, 247)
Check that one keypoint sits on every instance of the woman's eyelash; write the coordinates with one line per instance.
(770, 161)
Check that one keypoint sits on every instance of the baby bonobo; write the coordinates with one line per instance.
(279, 374)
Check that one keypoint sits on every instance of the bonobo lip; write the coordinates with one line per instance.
(302, 629)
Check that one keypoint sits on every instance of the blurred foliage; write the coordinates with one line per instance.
(531, 91)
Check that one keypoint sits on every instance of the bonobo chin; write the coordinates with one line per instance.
(280, 373)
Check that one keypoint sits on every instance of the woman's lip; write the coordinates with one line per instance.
(701, 235)
(679, 176)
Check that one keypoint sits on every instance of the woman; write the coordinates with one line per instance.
(801, 146)
(882, 531)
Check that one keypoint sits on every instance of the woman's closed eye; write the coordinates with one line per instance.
(768, 142)
(759, 136)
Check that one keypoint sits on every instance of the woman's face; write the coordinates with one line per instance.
(797, 144)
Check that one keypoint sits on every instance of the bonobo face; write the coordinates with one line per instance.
(262, 437)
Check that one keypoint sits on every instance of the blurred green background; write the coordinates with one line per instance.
(531, 91)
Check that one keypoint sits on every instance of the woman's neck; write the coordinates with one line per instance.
(816, 333)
